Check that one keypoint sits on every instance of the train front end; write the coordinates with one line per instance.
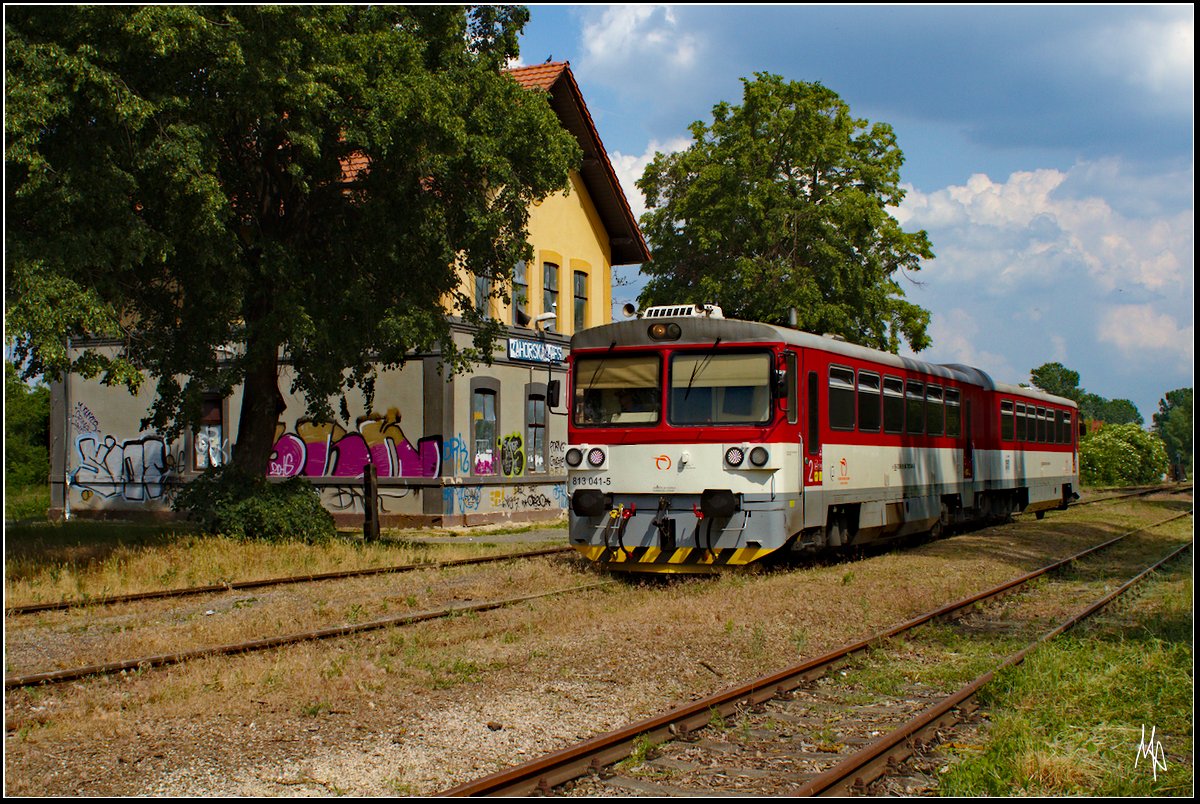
(680, 457)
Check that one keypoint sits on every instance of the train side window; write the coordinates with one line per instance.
(1041, 426)
(935, 414)
(841, 398)
(792, 365)
(1070, 434)
(915, 406)
(868, 402)
(893, 404)
(953, 420)
(1020, 422)
(814, 413)
(1006, 420)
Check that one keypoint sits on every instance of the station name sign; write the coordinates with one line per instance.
(534, 351)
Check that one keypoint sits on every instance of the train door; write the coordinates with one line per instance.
(968, 442)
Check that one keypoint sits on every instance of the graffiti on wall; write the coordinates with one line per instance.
(328, 450)
(464, 499)
(512, 455)
(82, 420)
(135, 470)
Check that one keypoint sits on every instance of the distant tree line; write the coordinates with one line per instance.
(1120, 451)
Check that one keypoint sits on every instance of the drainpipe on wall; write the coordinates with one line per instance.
(67, 436)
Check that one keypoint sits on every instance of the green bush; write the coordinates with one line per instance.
(1121, 454)
(233, 503)
(26, 431)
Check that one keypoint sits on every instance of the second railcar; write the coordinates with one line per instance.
(698, 442)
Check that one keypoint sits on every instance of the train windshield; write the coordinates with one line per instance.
(720, 388)
(617, 390)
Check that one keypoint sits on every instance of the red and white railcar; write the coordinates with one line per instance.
(698, 442)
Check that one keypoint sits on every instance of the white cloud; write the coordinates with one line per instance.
(637, 40)
(1136, 329)
(1023, 232)
(956, 338)
(1153, 54)
(630, 168)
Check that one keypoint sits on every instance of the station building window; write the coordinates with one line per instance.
(549, 287)
(520, 295)
(581, 300)
(209, 441)
(535, 428)
(485, 413)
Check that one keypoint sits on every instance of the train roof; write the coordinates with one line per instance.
(700, 329)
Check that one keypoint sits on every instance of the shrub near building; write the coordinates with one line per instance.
(1121, 454)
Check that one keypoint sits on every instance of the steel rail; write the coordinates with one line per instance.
(857, 771)
(146, 662)
(33, 608)
(541, 774)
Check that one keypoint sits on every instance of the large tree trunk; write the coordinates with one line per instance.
(260, 409)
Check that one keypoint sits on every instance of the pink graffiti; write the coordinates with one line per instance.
(327, 450)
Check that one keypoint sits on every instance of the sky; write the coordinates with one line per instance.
(1049, 155)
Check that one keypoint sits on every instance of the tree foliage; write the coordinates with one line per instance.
(26, 430)
(1121, 454)
(1057, 379)
(178, 181)
(1174, 424)
(781, 203)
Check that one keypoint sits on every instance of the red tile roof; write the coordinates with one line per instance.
(538, 76)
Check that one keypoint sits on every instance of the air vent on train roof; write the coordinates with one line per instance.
(683, 311)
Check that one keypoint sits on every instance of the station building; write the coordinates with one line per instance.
(448, 450)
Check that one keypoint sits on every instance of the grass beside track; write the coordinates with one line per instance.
(1070, 719)
(78, 560)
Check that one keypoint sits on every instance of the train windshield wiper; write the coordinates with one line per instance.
(712, 351)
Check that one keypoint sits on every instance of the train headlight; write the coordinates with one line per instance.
(595, 457)
(759, 456)
(664, 332)
(734, 456)
(574, 457)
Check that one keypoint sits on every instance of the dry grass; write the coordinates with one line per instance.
(49, 563)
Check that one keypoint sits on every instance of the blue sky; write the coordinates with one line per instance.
(1048, 154)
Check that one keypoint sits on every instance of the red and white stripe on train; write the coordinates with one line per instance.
(698, 442)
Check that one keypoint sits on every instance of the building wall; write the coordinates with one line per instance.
(419, 434)
(566, 231)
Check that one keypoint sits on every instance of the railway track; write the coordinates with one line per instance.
(700, 752)
(34, 608)
(267, 643)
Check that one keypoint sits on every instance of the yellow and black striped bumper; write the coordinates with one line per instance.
(682, 560)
